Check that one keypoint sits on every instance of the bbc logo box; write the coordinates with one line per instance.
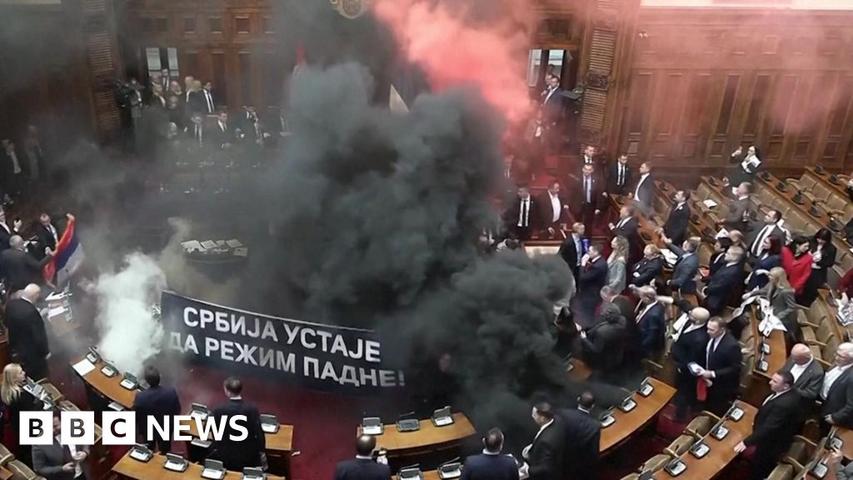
(120, 428)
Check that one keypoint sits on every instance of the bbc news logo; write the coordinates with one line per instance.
(120, 428)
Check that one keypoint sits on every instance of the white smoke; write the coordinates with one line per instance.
(130, 334)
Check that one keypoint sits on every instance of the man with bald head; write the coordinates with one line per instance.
(27, 334)
(363, 467)
(650, 321)
(18, 268)
(807, 373)
(689, 338)
(837, 390)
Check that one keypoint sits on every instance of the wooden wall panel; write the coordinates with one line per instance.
(702, 81)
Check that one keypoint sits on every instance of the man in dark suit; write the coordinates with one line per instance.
(777, 421)
(522, 218)
(222, 135)
(632, 352)
(363, 467)
(18, 267)
(583, 435)
(627, 227)
(155, 402)
(619, 177)
(689, 341)
(686, 267)
(60, 462)
(644, 190)
(727, 279)
(675, 227)
(720, 367)
(554, 208)
(196, 102)
(27, 334)
(647, 269)
(588, 196)
(624, 306)
(770, 228)
(650, 320)
(247, 453)
(553, 101)
(545, 455)
(740, 210)
(603, 345)
(207, 95)
(6, 230)
(491, 464)
(48, 236)
(807, 373)
(592, 276)
(573, 248)
(837, 390)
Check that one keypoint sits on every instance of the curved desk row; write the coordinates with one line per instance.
(721, 452)
(429, 438)
(130, 468)
(627, 423)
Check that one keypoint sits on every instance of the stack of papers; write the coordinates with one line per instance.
(670, 257)
(83, 367)
(709, 203)
(235, 247)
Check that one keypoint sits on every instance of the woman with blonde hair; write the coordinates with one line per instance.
(16, 400)
(616, 270)
(780, 294)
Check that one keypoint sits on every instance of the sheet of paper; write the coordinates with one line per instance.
(221, 243)
(709, 203)
(695, 368)
(670, 257)
(56, 311)
(722, 233)
(234, 243)
(83, 367)
(208, 244)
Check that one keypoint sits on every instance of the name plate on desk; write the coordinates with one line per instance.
(450, 470)
(675, 467)
(627, 405)
(109, 370)
(835, 442)
(269, 423)
(646, 388)
(410, 474)
(371, 426)
(129, 382)
(253, 474)
(765, 348)
(762, 365)
(408, 425)
(213, 470)
(175, 463)
(720, 432)
(735, 413)
(140, 453)
(700, 449)
(607, 421)
(115, 407)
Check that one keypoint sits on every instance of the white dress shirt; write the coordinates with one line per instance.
(556, 208)
(643, 178)
(524, 212)
(830, 378)
(712, 347)
(620, 176)
(797, 370)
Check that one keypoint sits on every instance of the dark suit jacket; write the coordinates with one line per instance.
(489, 467)
(19, 268)
(218, 137)
(652, 329)
(648, 270)
(675, 227)
(5, 235)
(45, 239)
(546, 210)
(362, 469)
(547, 454)
(647, 190)
(604, 346)
(839, 400)
(720, 286)
(583, 435)
(27, 335)
(734, 219)
(810, 382)
(552, 107)
(196, 103)
(569, 253)
(766, 263)
(579, 198)
(247, 453)
(613, 179)
(590, 280)
(533, 215)
(156, 402)
(685, 271)
(776, 423)
(690, 346)
(755, 231)
(49, 459)
(725, 361)
(629, 230)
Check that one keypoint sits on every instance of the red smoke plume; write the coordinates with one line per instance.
(452, 51)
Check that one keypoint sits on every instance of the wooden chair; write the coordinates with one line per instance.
(680, 445)
(21, 471)
(783, 471)
(5, 455)
(702, 424)
(655, 463)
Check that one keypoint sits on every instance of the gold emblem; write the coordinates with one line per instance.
(350, 8)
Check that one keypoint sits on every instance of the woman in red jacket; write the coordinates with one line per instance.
(797, 262)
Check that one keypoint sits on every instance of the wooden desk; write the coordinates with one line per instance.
(846, 436)
(428, 438)
(627, 423)
(777, 357)
(130, 468)
(109, 387)
(722, 451)
(428, 475)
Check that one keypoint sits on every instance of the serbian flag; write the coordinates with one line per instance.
(67, 258)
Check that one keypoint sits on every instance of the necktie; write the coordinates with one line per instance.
(712, 346)
(586, 187)
(209, 101)
(770, 397)
(621, 181)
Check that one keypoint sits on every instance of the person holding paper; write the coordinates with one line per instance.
(778, 419)
(781, 297)
(823, 254)
(60, 462)
(720, 369)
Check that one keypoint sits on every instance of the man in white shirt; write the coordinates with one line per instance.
(522, 217)
(807, 373)
(644, 190)
(60, 462)
(837, 390)
(554, 208)
(544, 455)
